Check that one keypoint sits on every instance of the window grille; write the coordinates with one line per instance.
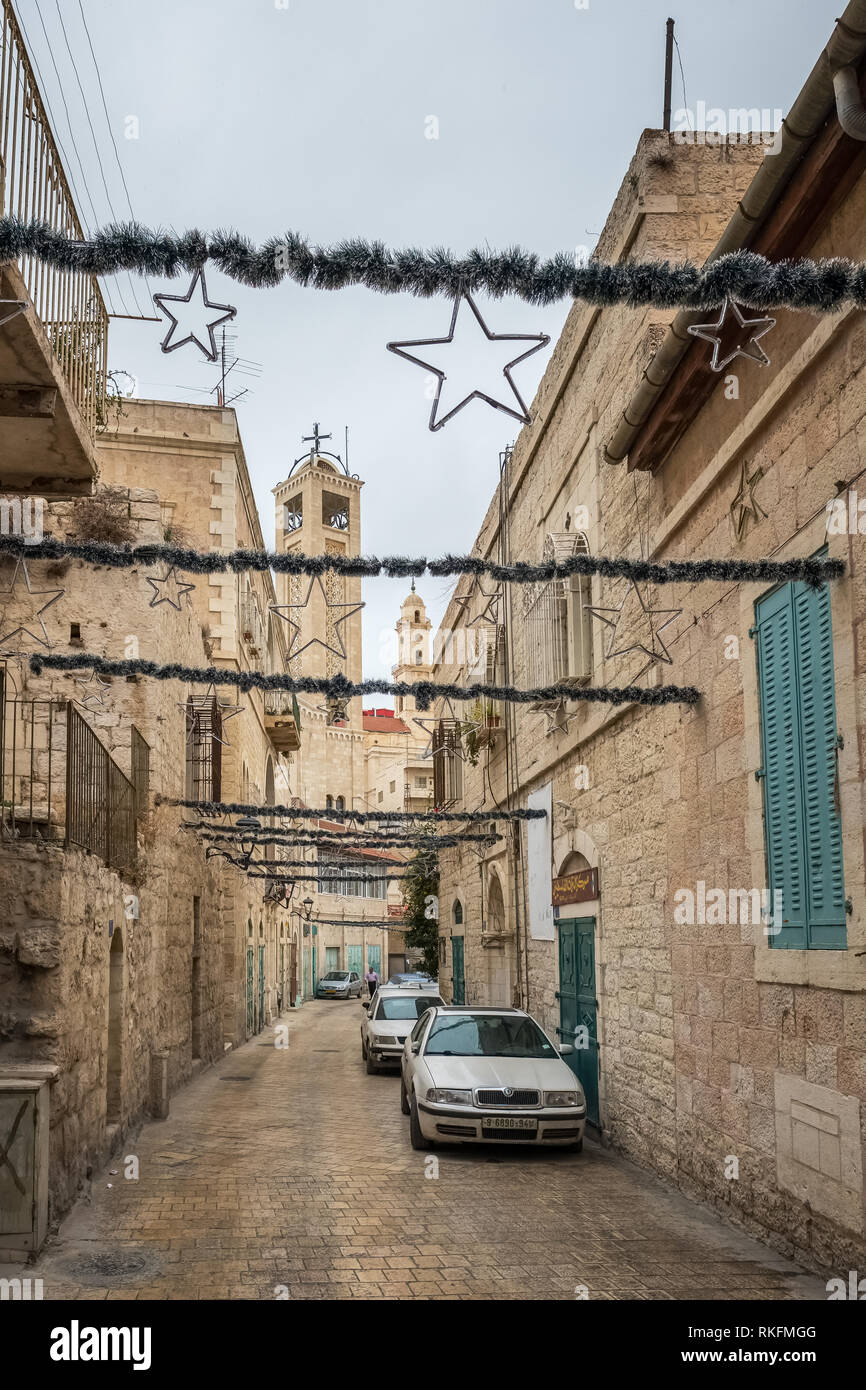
(203, 749)
(447, 765)
(351, 878)
(556, 622)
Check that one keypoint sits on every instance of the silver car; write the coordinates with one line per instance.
(389, 1018)
(488, 1075)
(339, 984)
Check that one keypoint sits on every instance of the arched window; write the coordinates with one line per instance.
(341, 803)
(329, 803)
(495, 922)
(417, 615)
(418, 658)
(457, 913)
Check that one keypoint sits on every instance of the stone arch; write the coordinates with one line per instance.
(457, 913)
(495, 903)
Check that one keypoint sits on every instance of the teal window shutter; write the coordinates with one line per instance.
(798, 731)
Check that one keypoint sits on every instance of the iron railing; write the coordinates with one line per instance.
(59, 784)
(33, 184)
(100, 799)
(140, 764)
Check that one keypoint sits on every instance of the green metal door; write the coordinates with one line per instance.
(374, 959)
(332, 958)
(578, 1006)
(308, 986)
(251, 995)
(355, 959)
(315, 971)
(18, 1169)
(260, 1021)
(458, 983)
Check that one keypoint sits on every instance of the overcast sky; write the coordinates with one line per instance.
(314, 116)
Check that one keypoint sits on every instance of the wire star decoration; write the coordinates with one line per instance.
(14, 599)
(745, 505)
(539, 341)
(209, 348)
(283, 610)
(631, 606)
(179, 586)
(557, 715)
(734, 335)
(96, 690)
(490, 612)
(209, 700)
(447, 721)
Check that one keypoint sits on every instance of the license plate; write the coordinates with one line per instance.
(509, 1122)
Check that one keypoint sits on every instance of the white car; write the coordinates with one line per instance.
(389, 1018)
(488, 1075)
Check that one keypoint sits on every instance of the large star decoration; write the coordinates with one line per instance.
(634, 618)
(283, 610)
(174, 586)
(21, 610)
(733, 335)
(203, 703)
(209, 347)
(745, 505)
(539, 340)
(490, 612)
(557, 715)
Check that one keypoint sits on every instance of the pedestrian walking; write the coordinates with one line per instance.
(372, 981)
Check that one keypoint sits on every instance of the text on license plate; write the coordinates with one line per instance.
(509, 1122)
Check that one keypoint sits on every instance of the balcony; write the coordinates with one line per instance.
(52, 354)
(283, 720)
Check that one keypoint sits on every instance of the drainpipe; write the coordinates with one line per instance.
(849, 103)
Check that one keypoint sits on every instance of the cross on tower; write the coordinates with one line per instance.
(315, 439)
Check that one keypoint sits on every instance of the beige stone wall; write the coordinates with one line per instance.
(712, 1045)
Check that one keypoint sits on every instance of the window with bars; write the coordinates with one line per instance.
(351, 878)
(556, 622)
(447, 764)
(203, 749)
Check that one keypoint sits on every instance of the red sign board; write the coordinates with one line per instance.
(395, 910)
(581, 887)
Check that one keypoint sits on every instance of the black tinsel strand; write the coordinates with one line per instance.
(424, 692)
(818, 285)
(244, 808)
(808, 569)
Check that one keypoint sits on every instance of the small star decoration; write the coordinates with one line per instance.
(96, 689)
(734, 335)
(21, 610)
(634, 617)
(208, 345)
(202, 703)
(448, 721)
(539, 340)
(745, 505)
(175, 590)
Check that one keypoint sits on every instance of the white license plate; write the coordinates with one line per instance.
(508, 1122)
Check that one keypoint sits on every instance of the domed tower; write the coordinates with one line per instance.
(414, 642)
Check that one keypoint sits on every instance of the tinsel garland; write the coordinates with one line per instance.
(351, 844)
(822, 285)
(423, 692)
(244, 808)
(811, 570)
(317, 878)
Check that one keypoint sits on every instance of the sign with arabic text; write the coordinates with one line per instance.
(581, 887)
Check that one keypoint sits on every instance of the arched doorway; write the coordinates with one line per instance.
(458, 976)
(114, 1063)
(578, 1004)
(497, 955)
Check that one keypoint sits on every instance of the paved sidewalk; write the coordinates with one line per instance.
(289, 1173)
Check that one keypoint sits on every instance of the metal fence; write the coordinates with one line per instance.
(59, 784)
(33, 185)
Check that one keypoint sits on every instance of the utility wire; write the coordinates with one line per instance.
(95, 145)
(72, 139)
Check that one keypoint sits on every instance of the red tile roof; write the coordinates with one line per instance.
(384, 723)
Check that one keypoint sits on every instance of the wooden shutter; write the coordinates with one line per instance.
(825, 876)
(798, 730)
(783, 798)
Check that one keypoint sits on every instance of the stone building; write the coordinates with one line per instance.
(720, 1034)
(349, 758)
(239, 750)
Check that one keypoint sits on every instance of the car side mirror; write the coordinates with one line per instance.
(413, 1047)
(365, 1005)
(565, 1049)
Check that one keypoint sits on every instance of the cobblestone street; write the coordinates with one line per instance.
(293, 1168)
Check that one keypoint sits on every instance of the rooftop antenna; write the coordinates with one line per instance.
(669, 65)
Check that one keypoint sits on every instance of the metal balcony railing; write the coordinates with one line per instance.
(59, 784)
(33, 184)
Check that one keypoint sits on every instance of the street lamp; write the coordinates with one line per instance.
(307, 905)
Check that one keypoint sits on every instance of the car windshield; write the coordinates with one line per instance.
(336, 975)
(487, 1035)
(408, 979)
(411, 1006)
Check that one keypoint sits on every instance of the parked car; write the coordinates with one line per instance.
(388, 1019)
(339, 984)
(488, 1075)
(411, 977)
